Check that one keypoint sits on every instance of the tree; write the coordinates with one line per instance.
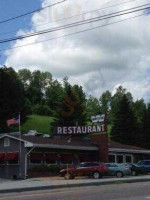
(80, 114)
(140, 112)
(11, 96)
(105, 101)
(35, 84)
(25, 76)
(146, 128)
(71, 111)
(116, 98)
(92, 107)
(54, 96)
(124, 123)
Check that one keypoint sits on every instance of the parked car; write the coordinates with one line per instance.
(94, 169)
(135, 169)
(119, 170)
(144, 165)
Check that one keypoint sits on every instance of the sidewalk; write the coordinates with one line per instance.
(56, 183)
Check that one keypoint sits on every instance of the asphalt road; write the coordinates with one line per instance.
(128, 191)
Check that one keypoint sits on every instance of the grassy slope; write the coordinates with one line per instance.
(39, 123)
(42, 124)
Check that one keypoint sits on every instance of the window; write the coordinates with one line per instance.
(119, 158)
(147, 163)
(80, 165)
(66, 159)
(2, 158)
(84, 158)
(51, 158)
(91, 165)
(12, 158)
(113, 165)
(6, 142)
(36, 158)
(128, 159)
(112, 158)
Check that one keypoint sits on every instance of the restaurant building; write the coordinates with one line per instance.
(19, 154)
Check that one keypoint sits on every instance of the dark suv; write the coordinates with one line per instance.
(94, 169)
(144, 165)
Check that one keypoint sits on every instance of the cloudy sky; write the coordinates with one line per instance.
(100, 59)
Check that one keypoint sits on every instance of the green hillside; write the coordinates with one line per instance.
(39, 123)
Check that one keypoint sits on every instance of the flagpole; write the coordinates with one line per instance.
(20, 146)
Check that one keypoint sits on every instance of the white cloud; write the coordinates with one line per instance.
(99, 59)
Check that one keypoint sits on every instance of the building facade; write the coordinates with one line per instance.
(19, 154)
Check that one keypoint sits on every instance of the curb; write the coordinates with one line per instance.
(12, 190)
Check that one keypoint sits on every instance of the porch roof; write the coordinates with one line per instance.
(60, 143)
(119, 147)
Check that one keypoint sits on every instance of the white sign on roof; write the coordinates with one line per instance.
(98, 118)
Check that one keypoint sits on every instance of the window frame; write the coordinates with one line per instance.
(8, 141)
(30, 163)
(56, 161)
(7, 161)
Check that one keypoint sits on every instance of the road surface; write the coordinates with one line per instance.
(128, 191)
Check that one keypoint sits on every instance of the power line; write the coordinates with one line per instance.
(79, 23)
(84, 13)
(31, 12)
(66, 18)
(71, 34)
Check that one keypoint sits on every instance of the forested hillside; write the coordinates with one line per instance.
(43, 102)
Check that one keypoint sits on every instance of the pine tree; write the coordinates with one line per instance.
(146, 128)
(72, 110)
(124, 123)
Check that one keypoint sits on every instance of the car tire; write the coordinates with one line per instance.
(119, 174)
(134, 173)
(97, 175)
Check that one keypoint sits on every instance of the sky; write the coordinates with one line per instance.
(99, 60)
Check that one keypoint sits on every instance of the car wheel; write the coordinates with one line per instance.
(97, 175)
(119, 174)
(133, 173)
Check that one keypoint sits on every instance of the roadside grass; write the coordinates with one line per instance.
(41, 124)
(119, 182)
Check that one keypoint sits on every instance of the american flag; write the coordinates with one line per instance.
(13, 121)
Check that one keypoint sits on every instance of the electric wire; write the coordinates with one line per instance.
(31, 12)
(73, 16)
(71, 34)
(79, 23)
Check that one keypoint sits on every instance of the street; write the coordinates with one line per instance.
(127, 191)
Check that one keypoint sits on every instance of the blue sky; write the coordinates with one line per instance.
(11, 8)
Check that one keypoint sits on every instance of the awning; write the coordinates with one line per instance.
(12, 156)
(2, 156)
(37, 156)
(51, 156)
